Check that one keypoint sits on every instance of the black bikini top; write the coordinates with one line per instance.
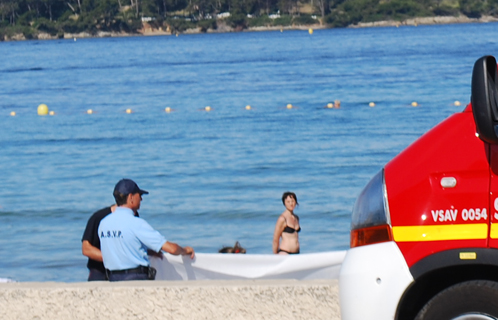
(288, 229)
(291, 230)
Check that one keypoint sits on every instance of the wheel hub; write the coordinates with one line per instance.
(474, 316)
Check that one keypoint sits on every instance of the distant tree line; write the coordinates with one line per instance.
(57, 17)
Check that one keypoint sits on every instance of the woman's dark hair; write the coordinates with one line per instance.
(289, 194)
(120, 198)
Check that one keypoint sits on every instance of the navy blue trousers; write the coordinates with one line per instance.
(128, 276)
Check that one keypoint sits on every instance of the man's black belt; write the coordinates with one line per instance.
(140, 269)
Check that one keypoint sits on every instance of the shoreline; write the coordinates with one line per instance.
(223, 28)
(201, 299)
(425, 21)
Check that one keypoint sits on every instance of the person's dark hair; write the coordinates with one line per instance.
(120, 198)
(237, 248)
(287, 194)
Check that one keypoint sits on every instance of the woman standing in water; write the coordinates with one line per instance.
(287, 227)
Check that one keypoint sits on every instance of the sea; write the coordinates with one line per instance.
(215, 175)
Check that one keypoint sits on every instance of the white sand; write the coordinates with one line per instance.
(209, 299)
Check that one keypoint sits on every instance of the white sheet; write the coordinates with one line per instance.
(204, 266)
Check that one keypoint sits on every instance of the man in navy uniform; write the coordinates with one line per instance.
(125, 238)
(90, 245)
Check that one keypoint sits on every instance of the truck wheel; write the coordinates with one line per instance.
(471, 300)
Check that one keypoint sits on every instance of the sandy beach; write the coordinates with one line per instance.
(247, 299)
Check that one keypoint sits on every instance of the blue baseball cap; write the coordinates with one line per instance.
(127, 186)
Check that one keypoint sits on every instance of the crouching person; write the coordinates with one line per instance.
(125, 238)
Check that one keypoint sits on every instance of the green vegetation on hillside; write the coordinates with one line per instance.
(56, 17)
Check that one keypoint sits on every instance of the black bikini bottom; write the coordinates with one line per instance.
(280, 250)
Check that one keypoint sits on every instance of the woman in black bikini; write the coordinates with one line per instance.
(287, 227)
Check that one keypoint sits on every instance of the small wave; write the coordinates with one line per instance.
(45, 213)
(7, 214)
(156, 64)
(23, 70)
(71, 141)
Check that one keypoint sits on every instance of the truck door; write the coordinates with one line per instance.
(493, 197)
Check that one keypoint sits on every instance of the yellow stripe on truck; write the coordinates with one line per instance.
(440, 232)
(493, 233)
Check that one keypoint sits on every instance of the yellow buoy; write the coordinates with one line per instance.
(51, 113)
(281, 30)
(457, 103)
(42, 110)
(89, 111)
(414, 104)
(371, 104)
(310, 31)
(129, 111)
(167, 109)
(248, 107)
(330, 105)
(289, 106)
(208, 108)
(13, 113)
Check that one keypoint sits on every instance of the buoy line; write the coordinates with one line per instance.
(43, 109)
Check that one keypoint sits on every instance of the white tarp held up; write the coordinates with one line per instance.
(218, 266)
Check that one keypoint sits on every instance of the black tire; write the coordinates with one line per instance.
(476, 299)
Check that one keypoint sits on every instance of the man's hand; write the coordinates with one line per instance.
(188, 251)
(173, 248)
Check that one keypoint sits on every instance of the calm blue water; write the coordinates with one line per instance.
(214, 177)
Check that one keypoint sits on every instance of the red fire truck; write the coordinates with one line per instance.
(424, 231)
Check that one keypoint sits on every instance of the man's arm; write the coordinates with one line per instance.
(91, 233)
(90, 251)
(175, 249)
